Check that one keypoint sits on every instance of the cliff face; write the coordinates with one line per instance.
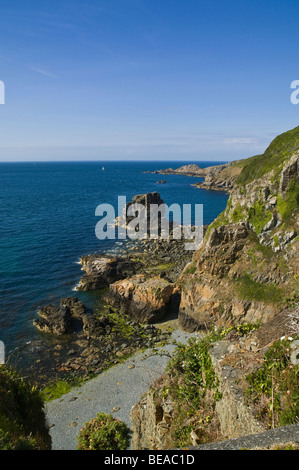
(244, 274)
(221, 177)
(246, 269)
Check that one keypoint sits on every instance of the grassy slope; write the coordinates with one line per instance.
(280, 149)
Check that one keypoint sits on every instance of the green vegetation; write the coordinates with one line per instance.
(190, 269)
(287, 205)
(276, 241)
(191, 386)
(274, 388)
(22, 419)
(193, 361)
(237, 214)
(104, 433)
(258, 216)
(242, 330)
(161, 267)
(281, 148)
(248, 288)
(60, 387)
(265, 250)
(222, 219)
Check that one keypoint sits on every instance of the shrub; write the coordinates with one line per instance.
(22, 419)
(274, 387)
(104, 433)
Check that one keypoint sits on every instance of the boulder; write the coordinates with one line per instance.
(145, 300)
(76, 306)
(54, 320)
(58, 320)
(102, 270)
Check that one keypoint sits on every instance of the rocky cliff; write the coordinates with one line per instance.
(243, 276)
(247, 266)
(216, 177)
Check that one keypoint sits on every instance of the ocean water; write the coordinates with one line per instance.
(47, 217)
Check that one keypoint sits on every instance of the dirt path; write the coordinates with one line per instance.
(114, 391)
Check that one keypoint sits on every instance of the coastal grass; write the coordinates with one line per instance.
(191, 385)
(279, 150)
(190, 269)
(249, 289)
(161, 267)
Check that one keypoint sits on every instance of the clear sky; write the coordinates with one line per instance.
(146, 79)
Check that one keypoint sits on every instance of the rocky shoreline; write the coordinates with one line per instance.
(135, 291)
(216, 177)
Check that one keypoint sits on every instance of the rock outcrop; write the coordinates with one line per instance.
(59, 320)
(145, 200)
(102, 270)
(247, 265)
(188, 170)
(220, 177)
(144, 299)
(244, 273)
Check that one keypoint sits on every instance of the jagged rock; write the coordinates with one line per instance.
(145, 200)
(220, 177)
(270, 225)
(151, 423)
(102, 270)
(94, 327)
(59, 320)
(54, 320)
(228, 233)
(76, 306)
(145, 300)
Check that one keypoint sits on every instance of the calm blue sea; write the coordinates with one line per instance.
(47, 220)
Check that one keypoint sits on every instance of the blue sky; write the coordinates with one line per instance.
(146, 79)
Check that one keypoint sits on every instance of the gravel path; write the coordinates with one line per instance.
(114, 391)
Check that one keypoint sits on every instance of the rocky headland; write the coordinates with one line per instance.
(188, 170)
(216, 177)
(241, 284)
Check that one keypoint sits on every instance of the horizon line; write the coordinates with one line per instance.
(111, 161)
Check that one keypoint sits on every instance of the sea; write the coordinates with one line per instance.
(47, 222)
